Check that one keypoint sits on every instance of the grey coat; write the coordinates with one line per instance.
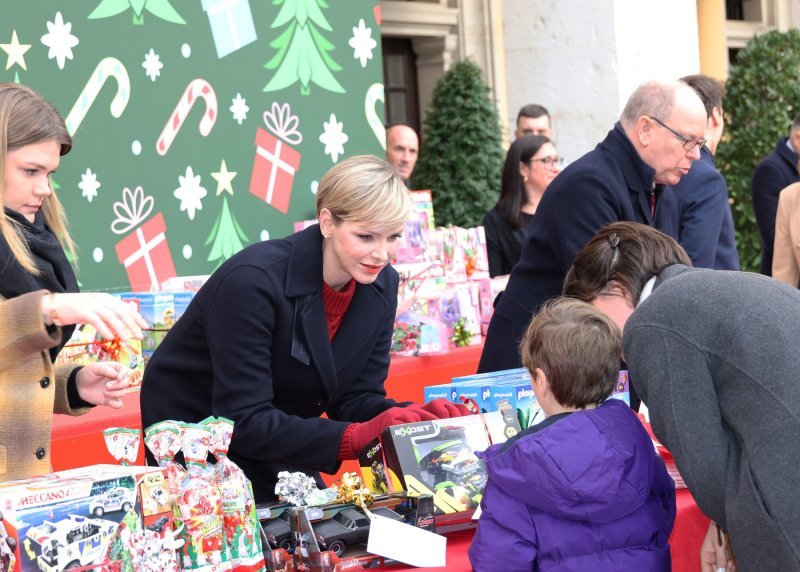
(715, 355)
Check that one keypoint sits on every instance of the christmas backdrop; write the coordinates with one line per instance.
(199, 126)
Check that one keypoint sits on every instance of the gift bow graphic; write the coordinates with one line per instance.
(283, 124)
(132, 211)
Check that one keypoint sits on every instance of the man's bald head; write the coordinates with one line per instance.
(402, 149)
(666, 123)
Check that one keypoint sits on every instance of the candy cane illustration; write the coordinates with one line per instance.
(197, 88)
(108, 67)
(374, 95)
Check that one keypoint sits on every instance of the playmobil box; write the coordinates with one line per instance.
(67, 519)
(181, 300)
(438, 457)
(158, 310)
(432, 392)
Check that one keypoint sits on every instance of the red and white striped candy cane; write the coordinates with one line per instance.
(197, 88)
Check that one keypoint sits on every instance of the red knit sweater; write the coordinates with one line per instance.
(336, 304)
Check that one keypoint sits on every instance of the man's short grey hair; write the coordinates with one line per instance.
(653, 98)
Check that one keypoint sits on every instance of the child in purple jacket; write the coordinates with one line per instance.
(584, 489)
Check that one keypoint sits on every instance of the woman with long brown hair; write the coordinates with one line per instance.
(39, 298)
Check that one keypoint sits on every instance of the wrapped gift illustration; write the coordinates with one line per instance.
(231, 24)
(145, 252)
(276, 161)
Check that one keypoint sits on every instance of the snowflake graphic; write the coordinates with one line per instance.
(190, 193)
(152, 64)
(362, 43)
(60, 40)
(334, 138)
(239, 108)
(89, 185)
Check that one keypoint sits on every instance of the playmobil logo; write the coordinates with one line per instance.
(373, 451)
(406, 431)
(524, 393)
(486, 393)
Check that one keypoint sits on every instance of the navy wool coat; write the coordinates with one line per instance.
(253, 347)
(706, 222)
(774, 173)
(606, 185)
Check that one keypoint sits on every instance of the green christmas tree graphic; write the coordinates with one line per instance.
(303, 52)
(226, 237)
(159, 8)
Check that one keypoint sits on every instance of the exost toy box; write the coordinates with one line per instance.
(438, 457)
(67, 519)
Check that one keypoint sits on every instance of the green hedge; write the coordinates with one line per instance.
(762, 96)
(461, 155)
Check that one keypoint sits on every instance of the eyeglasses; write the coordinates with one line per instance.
(688, 144)
(548, 161)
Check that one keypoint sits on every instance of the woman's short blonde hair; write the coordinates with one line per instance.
(26, 118)
(365, 189)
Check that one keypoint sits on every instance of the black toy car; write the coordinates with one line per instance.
(279, 532)
(350, 526)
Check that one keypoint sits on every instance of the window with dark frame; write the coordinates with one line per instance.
(400, 82)
(734, 10)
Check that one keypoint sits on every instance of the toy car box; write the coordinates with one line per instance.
(67, 519)
(438, 457)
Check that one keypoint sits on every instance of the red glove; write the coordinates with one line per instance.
(439, 409)
(358, 435)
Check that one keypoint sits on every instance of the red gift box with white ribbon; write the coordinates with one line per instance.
(276, 161)
(145, 252)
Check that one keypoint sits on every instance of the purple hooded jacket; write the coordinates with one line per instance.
(586, 492)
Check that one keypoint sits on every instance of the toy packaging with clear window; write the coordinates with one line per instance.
(438, 457)
(67, 519)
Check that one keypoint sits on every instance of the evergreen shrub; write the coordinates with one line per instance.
(461, 155)
(762, 96)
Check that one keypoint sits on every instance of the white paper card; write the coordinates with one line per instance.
(405, 543)
(477, 514)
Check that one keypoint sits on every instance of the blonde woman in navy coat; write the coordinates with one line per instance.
(292, 328)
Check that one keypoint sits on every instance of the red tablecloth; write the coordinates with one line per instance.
(78, 441)
(690, 529)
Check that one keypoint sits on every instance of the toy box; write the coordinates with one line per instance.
(67, 519)
(432, 392)
(438, 457)
(158, 310)
(181, 300)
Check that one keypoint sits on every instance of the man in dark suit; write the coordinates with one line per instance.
(774, 173)
(705, 228)
(626, 177)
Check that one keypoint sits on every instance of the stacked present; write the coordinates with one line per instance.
(446, 295)
(507, 389)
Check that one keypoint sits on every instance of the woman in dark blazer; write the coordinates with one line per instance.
(531, 163)
(289, 329)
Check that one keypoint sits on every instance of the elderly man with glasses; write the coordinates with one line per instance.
(626, 177)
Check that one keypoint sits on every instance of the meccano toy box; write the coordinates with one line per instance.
(438, 457)
(67, 519)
